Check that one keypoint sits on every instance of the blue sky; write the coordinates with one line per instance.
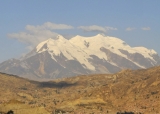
(137, 22)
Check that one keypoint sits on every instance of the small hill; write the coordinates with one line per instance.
(129, 90)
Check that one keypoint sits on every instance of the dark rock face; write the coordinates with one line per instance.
(10, 112)
(137, 58)
(102, 65)
(13, 66)
(43, 66)
(157, 59)
(120, 61)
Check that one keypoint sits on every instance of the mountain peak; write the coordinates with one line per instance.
(60, 37)
(100, 35)
(58, 57)
(49, 40)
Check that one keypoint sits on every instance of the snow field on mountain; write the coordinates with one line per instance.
(81, 48)
(70, 51)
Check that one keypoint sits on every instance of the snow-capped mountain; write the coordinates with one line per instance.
(59, 57)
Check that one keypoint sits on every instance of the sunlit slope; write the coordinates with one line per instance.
(128, 90)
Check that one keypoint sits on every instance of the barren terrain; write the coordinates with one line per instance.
(128, 90)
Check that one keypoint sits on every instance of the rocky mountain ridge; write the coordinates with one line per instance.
(59, 57)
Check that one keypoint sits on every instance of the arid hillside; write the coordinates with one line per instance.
(135, 91)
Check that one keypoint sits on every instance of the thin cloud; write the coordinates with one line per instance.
(146, 28)
(32, 35)
(49, 26)
(93, 28)
(111, 28)
(130, 29)
(96, 28)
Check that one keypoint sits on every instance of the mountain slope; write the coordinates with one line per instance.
(135, 91)
(116, 46)
(59, 57)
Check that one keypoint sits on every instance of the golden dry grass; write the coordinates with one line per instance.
(128, 90)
